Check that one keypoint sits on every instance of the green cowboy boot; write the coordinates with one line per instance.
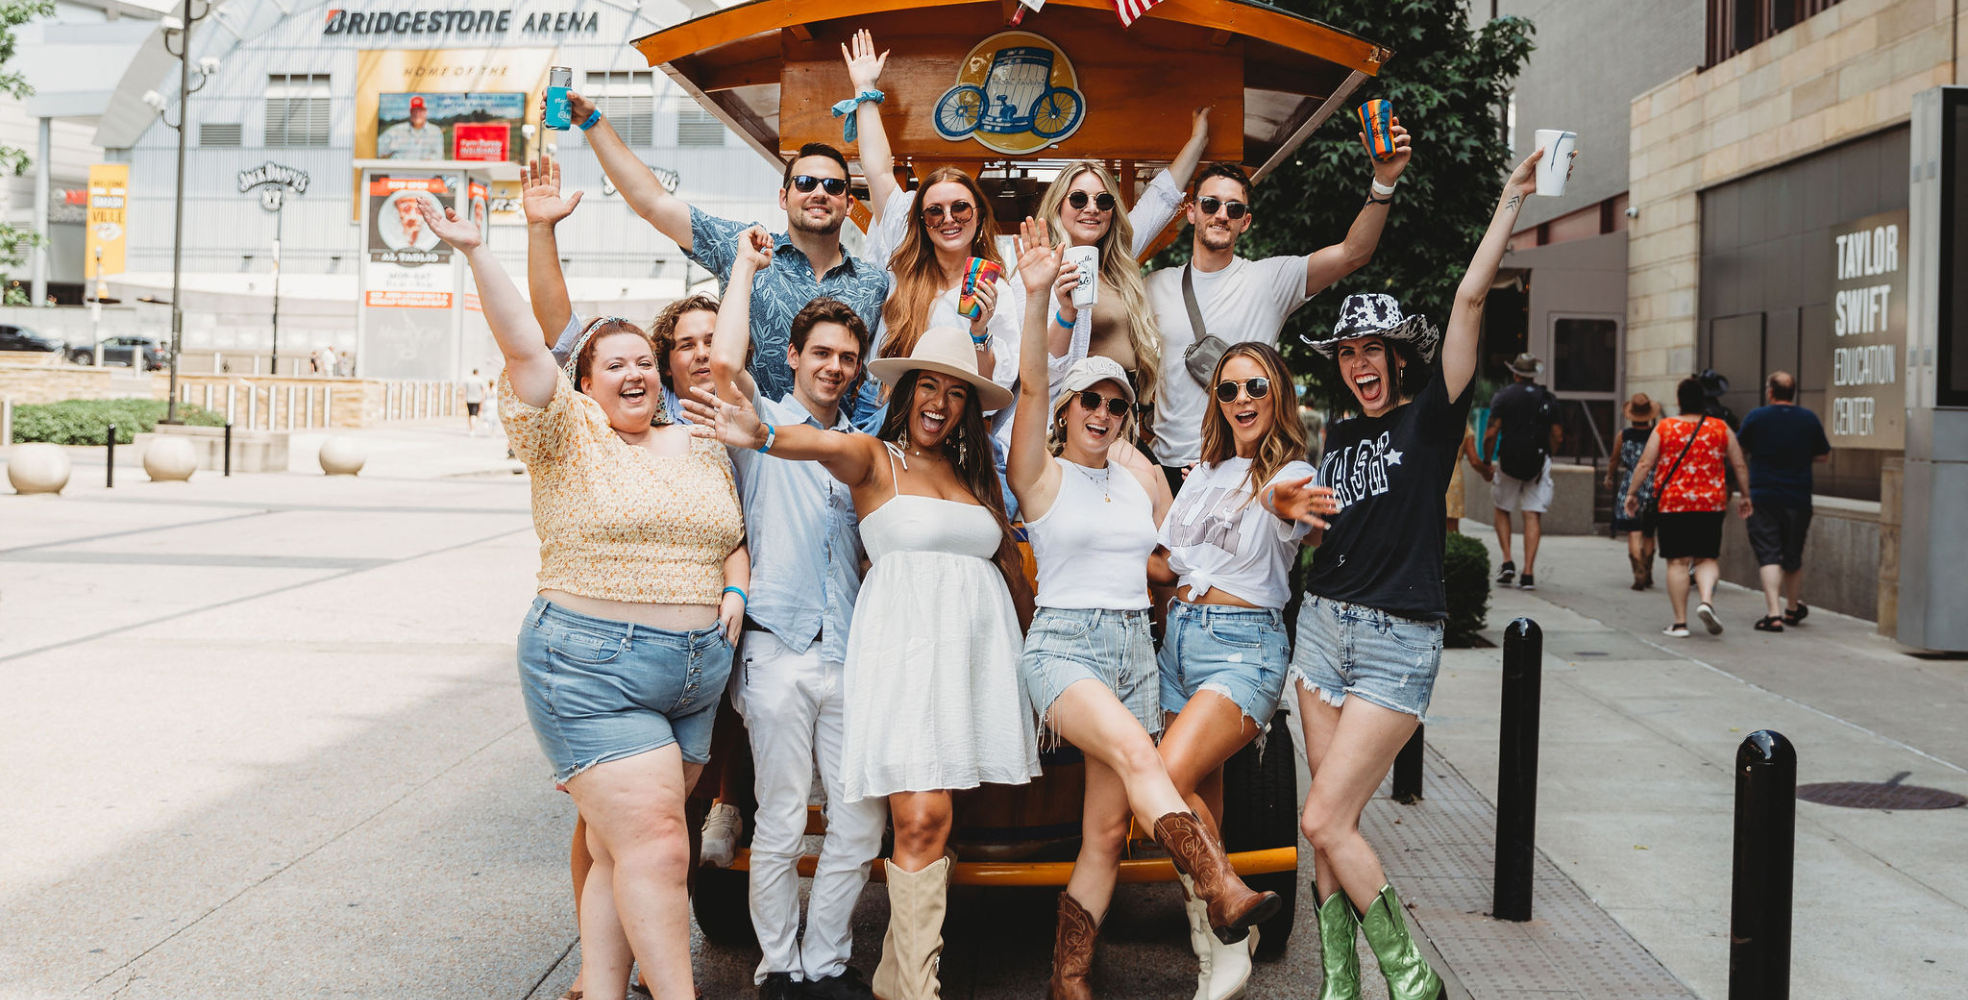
(1337, 932)
(1408, 974)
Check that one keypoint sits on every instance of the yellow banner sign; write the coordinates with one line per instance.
(109, 200)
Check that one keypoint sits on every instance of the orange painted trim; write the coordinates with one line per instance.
(1050, 873)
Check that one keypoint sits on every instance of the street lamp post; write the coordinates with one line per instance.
(205, 69)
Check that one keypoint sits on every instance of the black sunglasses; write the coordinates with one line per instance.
(1116, 405)
(1209, 204)
(1102, 201)
(959, 211)
(1255, 388)
(834, 186)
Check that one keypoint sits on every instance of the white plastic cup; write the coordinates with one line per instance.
(1559, 147)
(1087, 260)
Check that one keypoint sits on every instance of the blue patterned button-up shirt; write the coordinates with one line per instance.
(781, 291)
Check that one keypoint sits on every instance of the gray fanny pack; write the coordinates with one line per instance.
(1202, 355)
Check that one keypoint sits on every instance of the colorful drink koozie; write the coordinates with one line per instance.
(980, 270)
(1377, 121)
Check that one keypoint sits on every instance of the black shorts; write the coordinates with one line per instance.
(471, 409)
(1695, 534)
(1173, 473)
(1776, 535)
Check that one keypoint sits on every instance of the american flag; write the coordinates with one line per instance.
(1131, 9)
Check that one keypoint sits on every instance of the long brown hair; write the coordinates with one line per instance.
(968, 449)
(918, 277)
(1284, 443)
(1119, 269)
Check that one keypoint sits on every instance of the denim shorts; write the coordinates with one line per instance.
(1239, 653)
(1069, 645)
(1349, 649)
(599, 690)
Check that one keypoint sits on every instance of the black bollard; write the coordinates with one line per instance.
(1766, 841)
(1407, 770)
(1517, 770)
(109, 467)
(228, 448)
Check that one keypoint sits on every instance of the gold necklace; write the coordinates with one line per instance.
(1107, 476)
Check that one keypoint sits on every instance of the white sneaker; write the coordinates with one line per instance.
(1676, 631)
(1707, 615)
(721, 829)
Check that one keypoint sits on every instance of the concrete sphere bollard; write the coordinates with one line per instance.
(38, 468)
(169, 459)
(342, 456)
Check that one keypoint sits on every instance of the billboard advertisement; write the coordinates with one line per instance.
(449, 104)
(436, 126)
(409, 279)
(108, 207)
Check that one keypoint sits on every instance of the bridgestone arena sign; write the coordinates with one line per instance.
(463, 21)
(1866, 398)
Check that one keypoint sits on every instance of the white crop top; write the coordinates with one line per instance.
(1219, 536)
(1093, 543)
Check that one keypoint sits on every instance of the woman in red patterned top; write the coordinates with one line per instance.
(1685, 456)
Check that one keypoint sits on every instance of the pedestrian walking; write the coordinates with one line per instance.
(474, 401)
(1782, 441)
(931, 691)
(1523, 434)
(1457, 497)
(1685, 461)
(641, 594)
(1092, 504)
(1641, 413)
(1370, 628)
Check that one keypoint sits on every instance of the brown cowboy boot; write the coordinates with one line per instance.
(1072, 951)
(1233, 906)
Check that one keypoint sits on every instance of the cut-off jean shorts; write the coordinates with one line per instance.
(1240, 653)
(599, 690)
(1069, 645)
(1350, 649)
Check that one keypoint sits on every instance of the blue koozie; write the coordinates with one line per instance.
(557, 113)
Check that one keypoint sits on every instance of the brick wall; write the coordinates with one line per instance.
(356, 402)
(1844, 73)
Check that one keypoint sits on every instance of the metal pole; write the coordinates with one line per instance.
(43, 166)
(228, 447)
(1766, 843)
(177, 226)
(1407, 770)
(109, 446)
(279, 216)
(1517, 753)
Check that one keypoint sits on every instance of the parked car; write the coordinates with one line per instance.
(20, 338)
(120, 351)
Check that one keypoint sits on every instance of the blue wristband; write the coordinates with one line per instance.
(740, 591)
(594, 119)
(1061, 320)
(770, 436)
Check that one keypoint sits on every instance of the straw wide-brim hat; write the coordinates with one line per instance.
(1527, 364)
(945, 350)
(1640, 407)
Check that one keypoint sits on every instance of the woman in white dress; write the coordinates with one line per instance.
(933, 701)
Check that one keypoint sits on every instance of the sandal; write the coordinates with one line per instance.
(1795, 616)
(1769, 623)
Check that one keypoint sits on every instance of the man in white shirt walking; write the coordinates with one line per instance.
(1239, 299)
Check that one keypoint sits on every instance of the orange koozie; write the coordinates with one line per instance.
(1377, 121)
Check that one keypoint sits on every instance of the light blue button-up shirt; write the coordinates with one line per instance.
(805, 540)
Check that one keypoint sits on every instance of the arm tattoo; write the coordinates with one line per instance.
(1512, 203)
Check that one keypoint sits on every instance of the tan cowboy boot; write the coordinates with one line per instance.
(1072, 951)
(914, 942)
(1233, 906)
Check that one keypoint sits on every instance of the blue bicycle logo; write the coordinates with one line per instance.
(1017, 96)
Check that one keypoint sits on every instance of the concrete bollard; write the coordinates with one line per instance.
(341, 456)
(38, 467)
(1517, 768)
(169, 458)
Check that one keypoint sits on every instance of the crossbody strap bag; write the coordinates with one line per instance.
(1653, 502)
(1202, 355)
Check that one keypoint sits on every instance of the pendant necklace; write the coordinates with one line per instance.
(1107, 475)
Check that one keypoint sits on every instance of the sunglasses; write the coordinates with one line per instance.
(1209, 204)
(959, 212)
(1102, 201)
(1255, 388)
(834, 186)
(1116, 405)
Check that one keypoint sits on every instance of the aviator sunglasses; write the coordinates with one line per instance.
(960, 212)
(834, 186)
(1116, 405)
(1234, 209)
(1102, 201)
(1255, 388)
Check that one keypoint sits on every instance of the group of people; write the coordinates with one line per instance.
(810, 492)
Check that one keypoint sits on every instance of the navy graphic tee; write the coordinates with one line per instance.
(1391, 474)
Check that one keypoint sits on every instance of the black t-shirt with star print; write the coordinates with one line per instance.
(1391, 473)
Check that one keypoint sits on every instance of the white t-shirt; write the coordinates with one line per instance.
(1249, 300)
(1219, 536)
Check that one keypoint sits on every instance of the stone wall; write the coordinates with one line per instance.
(1841, 556)
(1844, 73)
(292, 403)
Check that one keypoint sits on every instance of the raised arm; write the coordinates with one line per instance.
(540, 197)
(640, 188)
(850, 458)
(1465, 327)
(734, 323)
(528, 362)
(1182, 169)
(1028, 465)
(864, 69)
(1324, 267)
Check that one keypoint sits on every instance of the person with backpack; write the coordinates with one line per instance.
(1523, 434)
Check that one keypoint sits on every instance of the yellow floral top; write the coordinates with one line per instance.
(617, 523)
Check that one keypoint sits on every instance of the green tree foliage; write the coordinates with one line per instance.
(13, 14)
(1448, 85)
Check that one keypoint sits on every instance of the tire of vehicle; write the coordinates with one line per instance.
(722, 903)
(1260, 811)
(959, 111)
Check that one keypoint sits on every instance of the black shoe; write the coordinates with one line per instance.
(847, 986)
(1506, 573)
(1795, 616)
(779, 986)
(1525, 582)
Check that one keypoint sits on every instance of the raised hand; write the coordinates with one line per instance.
(1038, 259)
(540, 191)
(864, 68)
(1299, 500)
(1523, 181)
(1199, 123)
(449, 226)
(1389, 170)
(578, 107)
(732, 424)
(754, 249)
(986, 293)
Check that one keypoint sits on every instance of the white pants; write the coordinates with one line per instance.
(792, 707)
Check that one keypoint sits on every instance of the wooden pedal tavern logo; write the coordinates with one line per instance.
(1016, 93)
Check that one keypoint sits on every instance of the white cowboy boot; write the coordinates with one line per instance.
(1223, 970)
